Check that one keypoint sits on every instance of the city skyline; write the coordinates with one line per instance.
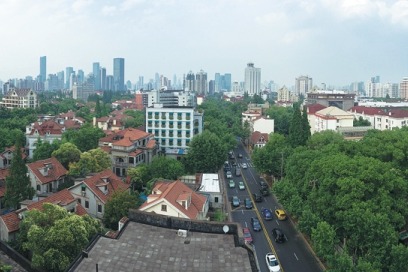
(335, 42)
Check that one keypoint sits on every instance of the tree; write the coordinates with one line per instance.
(139, 176)
(55, 237)
(305, 126)
(67, 153)
(167, 168)
(17, 182)
(86, 138)
(296, 128)
(136, 118)
(93, 161)
(44, 149)
(360, 122)
(281, 117)
(323, 238)
(118, 206)
(206, 153)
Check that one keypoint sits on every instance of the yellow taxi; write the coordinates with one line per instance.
(280, 214)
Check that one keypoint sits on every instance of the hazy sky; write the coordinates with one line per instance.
(333, 41)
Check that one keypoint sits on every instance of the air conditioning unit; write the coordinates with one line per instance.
(182, 233)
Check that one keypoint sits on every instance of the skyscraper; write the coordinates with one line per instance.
(68, 72)
(252, 79)
(404, 88)
(201, 83)
(303, 84)
(119, 74)
(103, 78)
(189, 82)
(97, 75)
(43, 68)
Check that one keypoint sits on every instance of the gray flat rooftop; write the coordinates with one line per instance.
(148, 248)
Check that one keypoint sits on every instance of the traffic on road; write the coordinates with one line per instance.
(273, 236)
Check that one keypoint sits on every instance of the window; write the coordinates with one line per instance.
(79, 200)
(99, 208)
(86, 204)
(164, 208)
(216, 199)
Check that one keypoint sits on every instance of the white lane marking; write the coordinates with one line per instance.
(246, 225)
(242, 211)
(277, 222)
(296, 256)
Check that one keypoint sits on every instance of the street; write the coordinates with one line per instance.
(294, 254)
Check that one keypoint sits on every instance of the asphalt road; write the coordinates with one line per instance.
(294, 254)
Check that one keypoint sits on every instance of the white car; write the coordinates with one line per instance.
(244, 165)
(241, 185)
(272, 263)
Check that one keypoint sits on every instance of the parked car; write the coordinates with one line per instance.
(263, 184)
(239, 155)
(241, 185)
(256, 225)
(244, 165)
(272, 263)
(280, 214)
(231, 183)
(266, 213)
(248, 203)
(278, 235)
(228, 174)
(235, 201)
(247, 235)
(257, 197)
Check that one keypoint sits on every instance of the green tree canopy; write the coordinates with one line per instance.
(17, 182)
(206, 153)
(93, 161)
(55, 237)
(167, 168)
(44, 149)
(67, 153)
(118, 206)
(86, 138)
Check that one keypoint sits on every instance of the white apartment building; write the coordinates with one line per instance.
(252, 79)
(20, 98)
(381, 119)
(332, 118)
(173, 127)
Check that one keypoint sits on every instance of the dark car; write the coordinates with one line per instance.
(248, 203)
(256, 225)
(278, 235)
(257, 197)
(267, 214)
(263, 184)
(264, 191)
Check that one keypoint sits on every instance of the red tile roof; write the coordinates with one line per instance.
(313, 108)
(61, 198)
(3, 174)
(49, 126)
(113, 182)
(47, 174)
(258, 137)
(367, 110)
(176, 191)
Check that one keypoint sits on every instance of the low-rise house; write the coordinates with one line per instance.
(47, 131)
(46, 175)
(211, 188)
(263, 125)
(129, 148)
(108, 123)
(176, 199)
(94, 191)
(258, 139)
(10, 223)
(7, 156)
(311, 117)
(332, 118)
(382, 119)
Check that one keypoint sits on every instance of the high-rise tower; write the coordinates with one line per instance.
(119, 74)
(97, 75)
(43, 68)
(303, 84)
(201, 83)
(252, 79)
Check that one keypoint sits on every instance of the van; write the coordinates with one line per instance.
(237, 172)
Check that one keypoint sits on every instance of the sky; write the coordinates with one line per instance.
(333, 41)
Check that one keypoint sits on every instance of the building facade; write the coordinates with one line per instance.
(342, 100)
(303, 85)
(252, 79)
(20, 98)
(404, 88)
(119, 74)
(173, 127)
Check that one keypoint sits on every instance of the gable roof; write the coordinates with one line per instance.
(258, 137)
(313, 108)
(47, 170)
(334, 113)
(49, 126)
(61, 198)
(367, 110)
(173, 192)
(105, 178)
